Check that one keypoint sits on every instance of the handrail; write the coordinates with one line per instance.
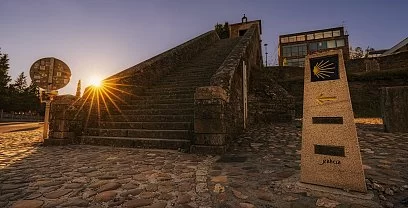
(225, 73)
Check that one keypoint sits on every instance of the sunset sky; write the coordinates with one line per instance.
(103, 37)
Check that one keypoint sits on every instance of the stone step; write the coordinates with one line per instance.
(181, 111)
(189, 76)
(148, 125)
(150, 118)
(162, 97)
(160, 91)
(158, 88)
(153, 143)
(139, 133)
(162, 101)
(175, 84)
(158, 106)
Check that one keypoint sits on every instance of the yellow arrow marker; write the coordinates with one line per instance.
(321, 99)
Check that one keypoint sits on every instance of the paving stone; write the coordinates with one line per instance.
(109, 186)
(137, 203)
(183, 199)
(28, 204)
(57, 193)
(158, 205)
(105, 196)
(76, 202)
(132, 192)
(151, 187)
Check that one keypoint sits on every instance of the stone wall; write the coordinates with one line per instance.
(382, 63)
(66, 120)
(364, 90)
(70, 115)
(224, 97)
(268, 101)
(394, 108)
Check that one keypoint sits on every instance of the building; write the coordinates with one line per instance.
(239, 29)
(400, 47)
(294, 47)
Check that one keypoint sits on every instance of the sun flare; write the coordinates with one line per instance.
(95, 81)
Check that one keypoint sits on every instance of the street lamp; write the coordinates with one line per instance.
(266, 54)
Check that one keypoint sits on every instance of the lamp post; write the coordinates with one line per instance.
(266, 54)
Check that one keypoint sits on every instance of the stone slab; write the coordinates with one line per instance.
(330, 153)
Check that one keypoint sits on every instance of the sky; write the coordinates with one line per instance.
(103, 37)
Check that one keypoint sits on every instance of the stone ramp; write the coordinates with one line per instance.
(163, 115)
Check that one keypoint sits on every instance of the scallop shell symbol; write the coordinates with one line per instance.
(322, 69)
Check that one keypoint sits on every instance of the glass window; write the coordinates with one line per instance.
(340, 43)
(286, 51)
(312, 47)
(300, 38)
(292, 39)
(322, 45)
(318, 35)
(295, 50)
(302, 62)
(310, 36)
(327, 34)
(336, 33)
(302, 50)
(331, 44)
(284, 40)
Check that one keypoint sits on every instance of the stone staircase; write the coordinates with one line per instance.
(162, 117)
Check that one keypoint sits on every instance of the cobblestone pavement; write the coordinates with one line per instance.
(260, 170)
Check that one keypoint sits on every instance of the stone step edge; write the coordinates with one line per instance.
(145, 130)
(132, 142)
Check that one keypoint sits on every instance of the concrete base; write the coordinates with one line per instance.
(322, 190)
(208, 150)
(56, 142)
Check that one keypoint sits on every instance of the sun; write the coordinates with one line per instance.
(95, 81)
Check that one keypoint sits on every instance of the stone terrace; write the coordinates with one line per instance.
(260, 170)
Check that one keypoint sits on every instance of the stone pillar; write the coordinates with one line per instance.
(394, 108)
(209, 120)
(63, 121)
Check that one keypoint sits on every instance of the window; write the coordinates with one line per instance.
(302, 62)
(242, 32)
(300, 38)
(322, 45)
(327, 34)
(331, 44)
(336, 33)
(284, 40)
(302, 50)
(312, 47)
(318, 35)
(286, 52)
(296, 62)
(310, 37)
(340, 43)
(292, 39)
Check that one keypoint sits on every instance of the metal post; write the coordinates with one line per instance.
(266, 54)
(46, 119)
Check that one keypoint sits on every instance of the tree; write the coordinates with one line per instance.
(222, 30)
(4, 81)
(20, 84)
(357, 53)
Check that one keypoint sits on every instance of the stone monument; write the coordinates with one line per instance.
(330, 150)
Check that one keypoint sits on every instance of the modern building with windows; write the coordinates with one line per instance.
(293, 48)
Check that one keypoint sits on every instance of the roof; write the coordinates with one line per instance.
(253, 21)
(396, 47)
(312, 31)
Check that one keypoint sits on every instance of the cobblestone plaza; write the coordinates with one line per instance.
(260, 170)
